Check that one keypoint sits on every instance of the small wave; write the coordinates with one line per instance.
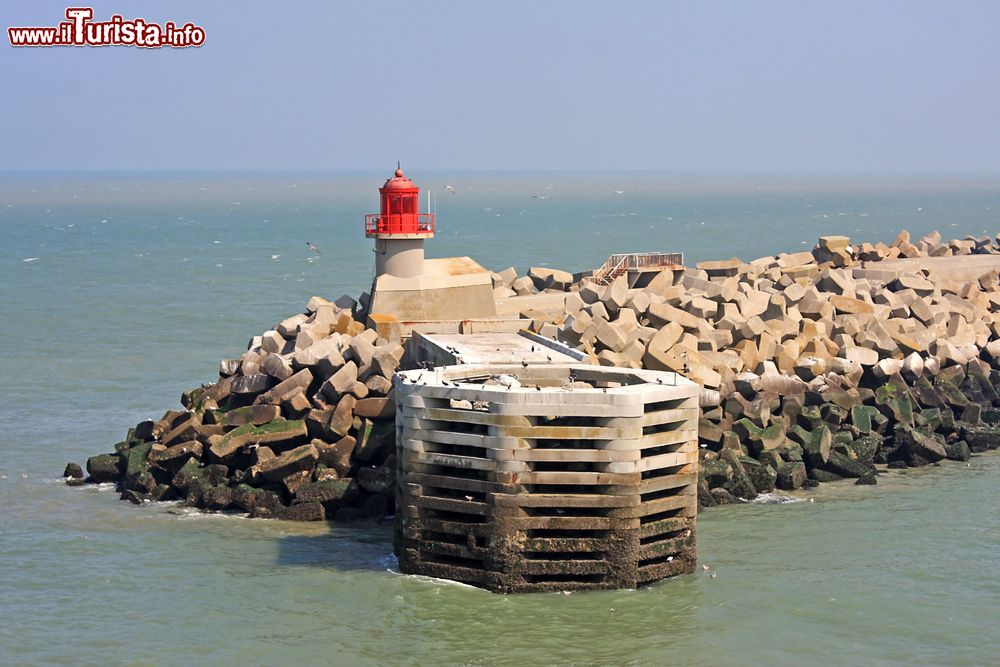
(183, 512)
(30, 259)
(775, 499)
(440, 582)
(103, 487)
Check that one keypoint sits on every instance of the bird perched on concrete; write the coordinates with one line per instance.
(313, 248)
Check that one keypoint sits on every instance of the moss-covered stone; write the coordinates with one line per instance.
(275, 432)
(255, 501)
(816, 448)
(715, 473)
(104, 468)
(323, 492)
(790, 476)
(137, 475)
(190, 471)
(762, 476)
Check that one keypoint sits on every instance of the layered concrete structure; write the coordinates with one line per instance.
(541, 477)
(446, 289)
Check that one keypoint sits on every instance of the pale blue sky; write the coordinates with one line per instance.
(846, 86)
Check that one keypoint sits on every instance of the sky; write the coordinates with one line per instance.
(767, 85)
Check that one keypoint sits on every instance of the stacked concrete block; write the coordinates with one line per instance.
(546, 478)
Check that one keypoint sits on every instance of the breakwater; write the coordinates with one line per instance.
(816, 366)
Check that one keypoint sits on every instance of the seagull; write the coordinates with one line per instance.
(313, 248)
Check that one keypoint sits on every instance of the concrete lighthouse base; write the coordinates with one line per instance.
(450, 288)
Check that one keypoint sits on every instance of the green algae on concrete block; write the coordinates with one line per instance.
(104, 467)
(275, 431)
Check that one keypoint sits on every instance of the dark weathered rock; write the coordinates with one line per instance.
(791, 475)
(137, 468)
(715, 473)
(723, 497)
(301, 512)
(821, 475)
(133, 496)
(816, 448)
(75, 481)
(919, 446)
(323, 492)
(869, 479)
(958, 451)
(73, 470)
(844, 466)
(162, 492)
(190, 471)
(377, 479)
(217, 497)
(705, 497)
(215, 473)
(104, 468)
(144, 430)
(739, 484)
(866, 446)
(249, 499)
(981, 438)
(762, 476)
(373, 506)
(375, 440)
(990, 416)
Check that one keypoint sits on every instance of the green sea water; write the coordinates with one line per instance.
(119, 291)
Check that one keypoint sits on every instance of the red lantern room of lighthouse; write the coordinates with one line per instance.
(399, 229)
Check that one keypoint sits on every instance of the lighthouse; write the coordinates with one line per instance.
(420, 293)
(399, 229)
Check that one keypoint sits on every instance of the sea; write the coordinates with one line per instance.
(120, 290)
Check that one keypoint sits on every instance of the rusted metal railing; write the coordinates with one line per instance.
(636, 261)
